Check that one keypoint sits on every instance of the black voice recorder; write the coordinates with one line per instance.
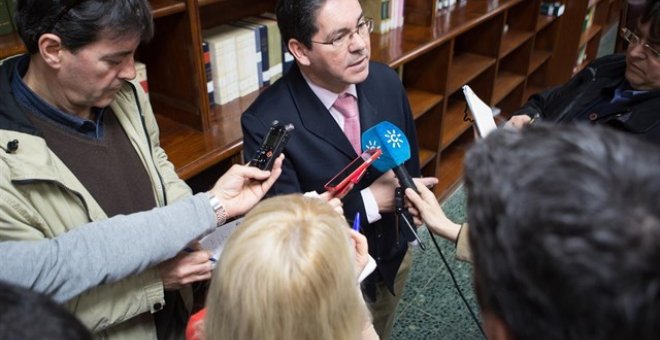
(272, 145)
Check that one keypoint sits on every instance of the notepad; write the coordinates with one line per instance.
(215, 241)
(481, 112)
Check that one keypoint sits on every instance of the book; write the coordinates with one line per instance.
(224, 67)
(261, 44)
(6, 25)
(141, 76)
(208, 73)
(379, 11)
(554, 8)
(481, 112)
(274, 44)
(246, 54)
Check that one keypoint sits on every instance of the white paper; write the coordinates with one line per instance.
(368, 269)
(481, 112)
(216, 240)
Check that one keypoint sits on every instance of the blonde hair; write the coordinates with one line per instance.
(287, 272)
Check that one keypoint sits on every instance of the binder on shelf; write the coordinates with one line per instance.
(222, 49)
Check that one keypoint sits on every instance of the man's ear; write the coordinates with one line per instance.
(495, 328)
(299, 51)
(50, 49)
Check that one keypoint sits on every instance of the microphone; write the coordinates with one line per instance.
(395, 151)
(395, 147)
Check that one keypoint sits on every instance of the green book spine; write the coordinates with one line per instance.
(6, 25)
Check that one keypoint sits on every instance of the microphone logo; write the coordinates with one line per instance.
(391, 140)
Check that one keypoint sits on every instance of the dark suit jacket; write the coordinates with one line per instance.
(318, 149)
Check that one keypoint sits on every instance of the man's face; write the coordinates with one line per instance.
(642, 65)
(336, 67)
(92, 76)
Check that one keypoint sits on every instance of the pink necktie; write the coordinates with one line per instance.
(346, 104)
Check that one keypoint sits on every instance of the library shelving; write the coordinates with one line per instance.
(505, 50)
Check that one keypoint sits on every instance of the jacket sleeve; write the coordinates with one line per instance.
(536, 105)
(175, 187)
(100, 307)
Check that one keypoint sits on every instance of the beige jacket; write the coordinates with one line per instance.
(41, 198)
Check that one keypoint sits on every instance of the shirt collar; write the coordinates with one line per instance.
(32, 102)
(326, 96)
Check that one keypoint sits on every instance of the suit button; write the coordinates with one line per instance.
(378, 259)
(593, 116)
(380, 235)
(158, 306)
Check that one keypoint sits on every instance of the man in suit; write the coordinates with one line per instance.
(620, 90)
(329, 40)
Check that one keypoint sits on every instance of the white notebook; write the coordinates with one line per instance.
(481, 112)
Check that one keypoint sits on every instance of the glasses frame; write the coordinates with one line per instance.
(342, 39)
(634, 39)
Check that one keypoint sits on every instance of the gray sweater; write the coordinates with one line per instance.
(105, 251)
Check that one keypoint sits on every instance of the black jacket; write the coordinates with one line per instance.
(639, 116)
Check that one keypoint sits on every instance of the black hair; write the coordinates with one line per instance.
(297, 19)
(29, 315)
(651, 14)
(81, 22)
(565, 232)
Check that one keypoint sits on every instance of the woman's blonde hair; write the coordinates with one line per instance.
(287, 272)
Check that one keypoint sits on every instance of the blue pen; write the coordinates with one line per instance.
(356, 222)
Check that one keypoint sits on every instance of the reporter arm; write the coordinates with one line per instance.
(463, 250)
(105, 251)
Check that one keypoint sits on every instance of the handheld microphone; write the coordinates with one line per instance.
(396, 150)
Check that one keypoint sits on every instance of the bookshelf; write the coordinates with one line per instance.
(505, 50)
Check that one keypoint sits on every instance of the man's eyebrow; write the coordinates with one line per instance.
(117, 54)
(345, 29)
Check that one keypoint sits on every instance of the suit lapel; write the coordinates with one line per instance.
(315, 117)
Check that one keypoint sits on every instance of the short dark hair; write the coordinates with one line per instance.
(565, 232)
(30, 315)
(80, 22)
(297, 19)
(651, 14)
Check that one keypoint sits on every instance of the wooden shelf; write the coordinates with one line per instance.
(451, 166)
(543, 21)
(11, 44)
(538, 58)
(426, 156)
(531, 90)
(161, 8)
(192, 151)
(505, 83)
(453, 124)
(589, 34)
(511, 40)
(465, 67)
(422, 101)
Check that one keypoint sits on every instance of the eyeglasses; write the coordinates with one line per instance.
(633, 39)
(62, 13)
(363, 28)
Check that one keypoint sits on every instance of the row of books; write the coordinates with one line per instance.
(387, 14)
(7, 16)
(446, 4)
(553, 8)
(243, 56)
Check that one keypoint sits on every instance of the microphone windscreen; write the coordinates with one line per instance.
(391, 140)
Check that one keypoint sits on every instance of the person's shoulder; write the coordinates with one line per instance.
(611, 60)
(271, 99)
(380, 71)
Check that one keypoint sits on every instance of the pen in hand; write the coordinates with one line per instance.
(356, 222)
(190, 250)
(534, 119)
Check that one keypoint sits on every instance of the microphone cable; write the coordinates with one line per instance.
(458, 288)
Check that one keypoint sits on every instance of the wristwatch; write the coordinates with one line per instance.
(220, 213)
